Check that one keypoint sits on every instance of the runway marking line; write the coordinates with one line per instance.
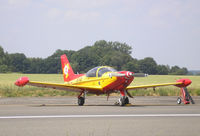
(99, 116)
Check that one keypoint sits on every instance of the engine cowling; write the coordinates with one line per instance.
(22, 81)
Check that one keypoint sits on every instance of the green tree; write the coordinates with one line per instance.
(162, 70)
(121, 47)
(1, 52)
(148, 65)
(37, 65)
(176, 70)
(132, 66)
(117, 46)
(86, 59)
(3, 68)
(17, 62)
(185, 71)
(2, 56)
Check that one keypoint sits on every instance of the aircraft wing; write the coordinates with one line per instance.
(181, 83)
(152, 86)
(25, 81)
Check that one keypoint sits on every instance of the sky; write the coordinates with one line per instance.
(166, 30)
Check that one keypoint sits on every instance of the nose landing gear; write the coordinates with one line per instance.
(123, 100)
(186, 97)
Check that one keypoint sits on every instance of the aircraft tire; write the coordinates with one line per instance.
(122, 101)
(126, 100)
(81, 101)
(179, 100)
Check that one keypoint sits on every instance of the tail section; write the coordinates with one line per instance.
(68, 72)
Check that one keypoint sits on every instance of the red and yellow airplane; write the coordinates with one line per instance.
(103, 80)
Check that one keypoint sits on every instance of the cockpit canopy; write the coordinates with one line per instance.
(99, 71)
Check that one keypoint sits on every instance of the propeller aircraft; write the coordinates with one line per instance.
(103, 80)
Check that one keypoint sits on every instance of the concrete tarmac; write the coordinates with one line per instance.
(150, 116)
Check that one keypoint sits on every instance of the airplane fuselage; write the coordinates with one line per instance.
(106, 82)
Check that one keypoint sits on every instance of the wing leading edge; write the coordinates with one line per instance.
(151, 86)
(179, 83)
(63, 86)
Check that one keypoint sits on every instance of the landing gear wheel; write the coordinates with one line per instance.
(122, 101)
(81, 101)
(179, 100)
(126, 100)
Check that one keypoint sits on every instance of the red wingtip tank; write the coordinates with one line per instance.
(185, 82)
(22, 81)
(184, 94)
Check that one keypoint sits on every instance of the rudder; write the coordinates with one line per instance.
(67, 70)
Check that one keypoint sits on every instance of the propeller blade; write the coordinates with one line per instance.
(117, 74)
(140, 75)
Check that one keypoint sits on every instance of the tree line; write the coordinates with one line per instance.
(115, 54)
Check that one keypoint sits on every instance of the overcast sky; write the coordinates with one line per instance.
(167, 30)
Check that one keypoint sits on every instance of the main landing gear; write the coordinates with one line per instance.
(185, 97)
(81, 99)
(179, 100)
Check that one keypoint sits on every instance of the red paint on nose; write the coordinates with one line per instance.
(127, 73)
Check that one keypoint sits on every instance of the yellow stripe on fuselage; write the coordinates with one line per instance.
(102, 82)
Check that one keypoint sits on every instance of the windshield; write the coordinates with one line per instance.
(101, 70)
(104, 70)
(92, 72)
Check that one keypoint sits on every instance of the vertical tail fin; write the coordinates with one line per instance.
(67, 70)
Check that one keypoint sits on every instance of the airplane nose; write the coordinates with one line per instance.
(126, 74)
(129, 74)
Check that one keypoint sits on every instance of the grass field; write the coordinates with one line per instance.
(8, 89)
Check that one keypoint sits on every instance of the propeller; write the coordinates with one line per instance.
(129, 74)
(115, 74)
(140, 75)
